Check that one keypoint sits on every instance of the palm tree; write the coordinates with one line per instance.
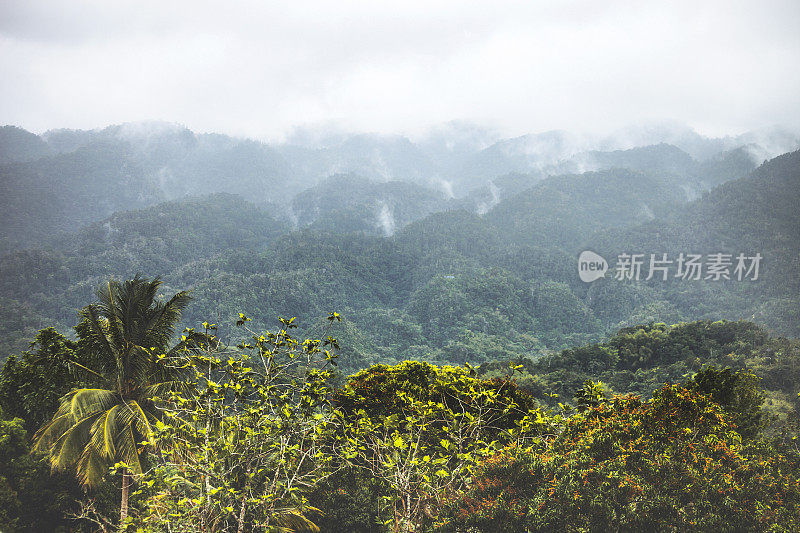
(125, 338)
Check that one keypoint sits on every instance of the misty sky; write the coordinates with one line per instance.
(259, 68)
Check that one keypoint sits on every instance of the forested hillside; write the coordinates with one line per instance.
(204, 432)
(150, 162)
(352, 204)
(458, 372)
(420, 267)
(755, 214)
(415, 275)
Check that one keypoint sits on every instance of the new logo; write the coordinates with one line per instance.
(591, 266)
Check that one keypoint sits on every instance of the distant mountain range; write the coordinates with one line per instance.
(63, 179)
(423, 262)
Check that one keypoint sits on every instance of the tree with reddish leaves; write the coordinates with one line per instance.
(673, 463)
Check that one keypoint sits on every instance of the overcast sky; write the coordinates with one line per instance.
(259, 68)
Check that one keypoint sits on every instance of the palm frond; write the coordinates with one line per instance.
(69, 446)
(127, 451)
(73, 407)
(97, 337)
(47, 434)
(133, 415)
(160, 324)
(108, 306)
(121, 334)
(163, 388)
(104, 431)
(84, 401)
(193, 344)
(92, 467)
(139, 365)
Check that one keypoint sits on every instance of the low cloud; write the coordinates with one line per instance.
(259, 69)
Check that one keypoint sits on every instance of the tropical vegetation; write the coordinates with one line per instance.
(446, 368)
(264, 434)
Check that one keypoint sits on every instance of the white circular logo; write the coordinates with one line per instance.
(591, 266)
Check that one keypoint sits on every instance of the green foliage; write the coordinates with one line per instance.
(124, 341)
(21, 323)
(460, 231)
(30, 388)
(455, 274)
(738, 392)
(641, 358)
(351, 204)
(13, 444)
(125, 336)
(171, 234)
(590, 396)
(754, 214)
(245, 441)
(66, 191)
(31, 385)
(256, 438)
(16, 144)
(351, 500)
(31, 498)
(420, 430)
(559, 312)
(548, 213)
(671, 463)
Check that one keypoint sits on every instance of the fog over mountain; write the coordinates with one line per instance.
(430, 266)
(276, 230)
(454, 202)
(455, 165)
(260, 69)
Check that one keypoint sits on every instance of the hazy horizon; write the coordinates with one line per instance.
(263, 70)
(484, 135)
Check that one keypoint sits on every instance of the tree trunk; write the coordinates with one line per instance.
(241, 514)
(126, 489)
(244, 499)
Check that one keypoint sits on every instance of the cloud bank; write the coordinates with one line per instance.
(260, 69)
